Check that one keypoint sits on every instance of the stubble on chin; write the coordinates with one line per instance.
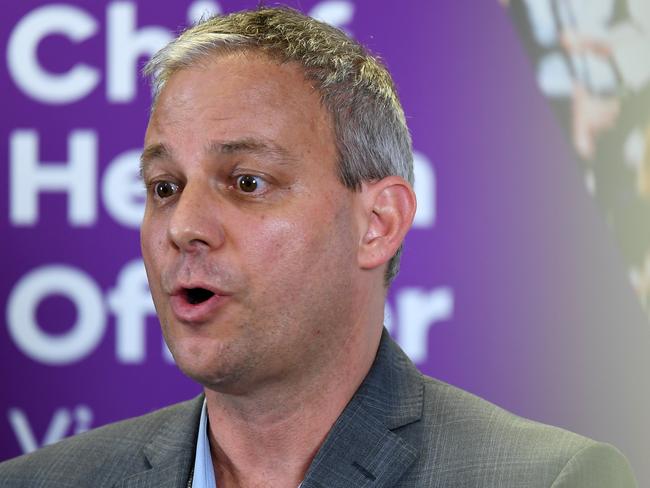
(219, 364)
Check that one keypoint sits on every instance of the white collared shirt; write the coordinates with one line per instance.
(203, 476)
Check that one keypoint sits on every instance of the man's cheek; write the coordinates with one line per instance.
(274, 237)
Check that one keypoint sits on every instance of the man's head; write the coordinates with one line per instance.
(371, 136)
(266, 253)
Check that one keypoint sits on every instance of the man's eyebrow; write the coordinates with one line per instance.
(155, 151)
(268, 149)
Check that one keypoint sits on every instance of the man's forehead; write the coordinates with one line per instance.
(257, 75)
(244, 103)
(245, 80)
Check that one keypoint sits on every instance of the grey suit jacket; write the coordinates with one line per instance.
(401, 429)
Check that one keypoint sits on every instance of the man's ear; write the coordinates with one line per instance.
(389, 207)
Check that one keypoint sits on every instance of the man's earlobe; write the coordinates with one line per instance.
(390, 207)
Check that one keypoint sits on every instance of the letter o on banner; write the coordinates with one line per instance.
(59, 349)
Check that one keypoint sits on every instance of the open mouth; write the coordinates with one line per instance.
(194, 296)
(194, 304)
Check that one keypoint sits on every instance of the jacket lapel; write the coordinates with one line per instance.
(170, 452)
(364, 448)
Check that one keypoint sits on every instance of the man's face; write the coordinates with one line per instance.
(249, 239)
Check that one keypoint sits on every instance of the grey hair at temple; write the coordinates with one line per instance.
(370, 129)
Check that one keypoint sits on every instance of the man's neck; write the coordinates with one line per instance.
(271, 437)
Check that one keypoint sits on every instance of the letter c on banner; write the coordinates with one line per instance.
(22, 59)
(59, 349)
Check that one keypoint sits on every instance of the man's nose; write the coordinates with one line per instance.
(195, 223)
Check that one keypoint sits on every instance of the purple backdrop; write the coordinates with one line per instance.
(511, 285)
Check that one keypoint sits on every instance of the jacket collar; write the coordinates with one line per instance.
(363, 447)
(170, 452)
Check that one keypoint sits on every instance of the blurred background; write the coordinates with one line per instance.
(526, 277)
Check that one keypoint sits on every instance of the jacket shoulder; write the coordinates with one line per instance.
(104, 455)
(596, 466)
(467, 441)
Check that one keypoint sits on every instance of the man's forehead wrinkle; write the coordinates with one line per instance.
(252, 146)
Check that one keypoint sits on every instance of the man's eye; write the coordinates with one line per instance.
(248, 183)
(165, 189)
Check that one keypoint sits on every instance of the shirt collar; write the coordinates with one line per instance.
(203, 469)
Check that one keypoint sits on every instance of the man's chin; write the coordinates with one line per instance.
(212, 373)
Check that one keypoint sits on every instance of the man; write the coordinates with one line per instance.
(278, 169)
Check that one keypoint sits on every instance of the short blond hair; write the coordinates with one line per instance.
(370, 129)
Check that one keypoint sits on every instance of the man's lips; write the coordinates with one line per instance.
(196, 303)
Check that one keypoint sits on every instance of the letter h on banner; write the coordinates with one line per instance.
(29, 177)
